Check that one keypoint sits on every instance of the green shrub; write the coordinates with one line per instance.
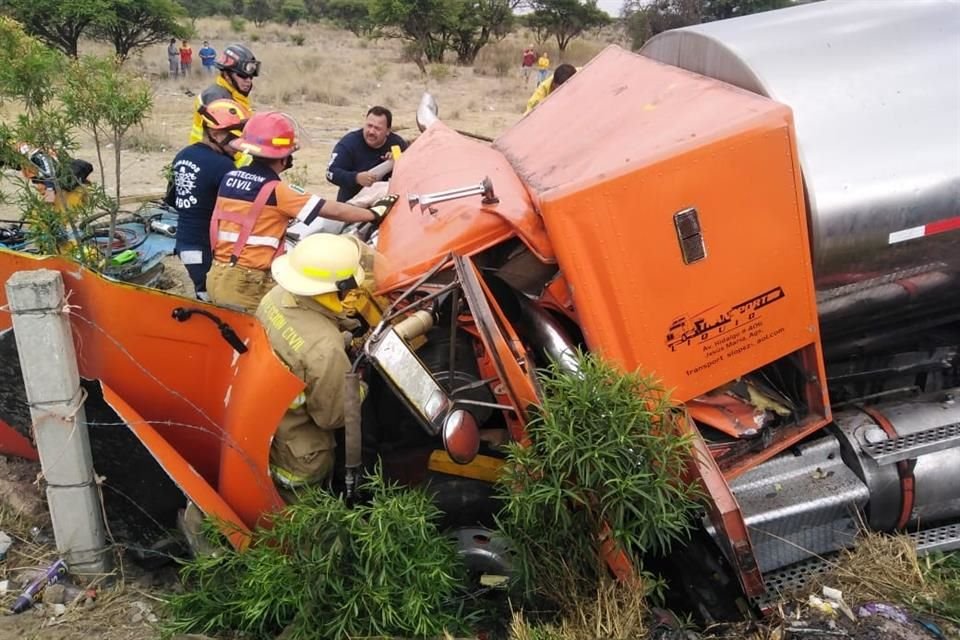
(298, 39)
(497, 60)
(326, 570)
(238, 24)
(942, 571)
(325, 95)
(603, 454)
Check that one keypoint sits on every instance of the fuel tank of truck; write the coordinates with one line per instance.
(875, 93)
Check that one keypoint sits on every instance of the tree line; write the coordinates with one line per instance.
(432, 29)
(643, 19)
(128, 25)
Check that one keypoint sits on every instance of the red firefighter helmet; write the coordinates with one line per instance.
(270, 134)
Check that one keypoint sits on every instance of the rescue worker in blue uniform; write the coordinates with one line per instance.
(361, 150)
(197, 171)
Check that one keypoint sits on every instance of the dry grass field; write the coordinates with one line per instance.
(327, 84)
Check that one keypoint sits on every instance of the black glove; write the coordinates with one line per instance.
(382, 207)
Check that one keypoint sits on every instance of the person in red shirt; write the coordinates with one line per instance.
(186, 58)
(526, 67)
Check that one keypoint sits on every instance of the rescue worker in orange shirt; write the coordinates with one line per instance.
(305, 319)
(254, 207)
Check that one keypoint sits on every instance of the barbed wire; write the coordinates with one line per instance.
(215, 430)
(219, 437)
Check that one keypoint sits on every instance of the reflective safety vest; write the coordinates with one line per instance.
(249, 234)
(246, 220)
(222, 89)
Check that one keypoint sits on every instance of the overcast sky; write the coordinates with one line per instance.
(611, 6)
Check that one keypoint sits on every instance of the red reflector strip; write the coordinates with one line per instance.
(940, 226)
(943, 225)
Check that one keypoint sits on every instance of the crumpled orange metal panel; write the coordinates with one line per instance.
(441, 159)
(209, 413)
(181, 471)
(648, 141)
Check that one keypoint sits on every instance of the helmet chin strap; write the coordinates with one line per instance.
(330, 301)
(223, 146)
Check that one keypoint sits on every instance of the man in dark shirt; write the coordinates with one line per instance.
(197, 172)
(361, 150)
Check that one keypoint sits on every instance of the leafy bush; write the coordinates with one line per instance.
(298, 175)
(604, 456)
(440, 72)
(95, 94)
(942, 571)
(298, 39)
(326, 570)
(238, 24)
(497, 60)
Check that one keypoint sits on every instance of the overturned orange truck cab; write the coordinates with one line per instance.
(654, 216)
(650, 214)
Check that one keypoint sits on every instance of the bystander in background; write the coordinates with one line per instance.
(208, 56)
(543, 67)
(173, 58)
(186, 58)
(526, 66)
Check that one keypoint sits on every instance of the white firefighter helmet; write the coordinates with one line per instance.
(319, 264)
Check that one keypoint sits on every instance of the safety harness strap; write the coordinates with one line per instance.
(246, 220)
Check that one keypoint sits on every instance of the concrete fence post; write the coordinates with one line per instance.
(49, 363)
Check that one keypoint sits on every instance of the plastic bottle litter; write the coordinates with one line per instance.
(54, 574)
(889, 611)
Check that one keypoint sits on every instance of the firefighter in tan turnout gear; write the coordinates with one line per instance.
(305, 320)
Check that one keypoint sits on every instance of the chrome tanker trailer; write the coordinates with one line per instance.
(874, 88)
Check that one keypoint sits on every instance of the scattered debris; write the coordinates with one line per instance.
(889, 611)
(55, 594)
(143, 612)
(53, 574)
(5, 543)
(835, 598)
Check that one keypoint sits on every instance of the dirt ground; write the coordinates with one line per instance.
(126, 608)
